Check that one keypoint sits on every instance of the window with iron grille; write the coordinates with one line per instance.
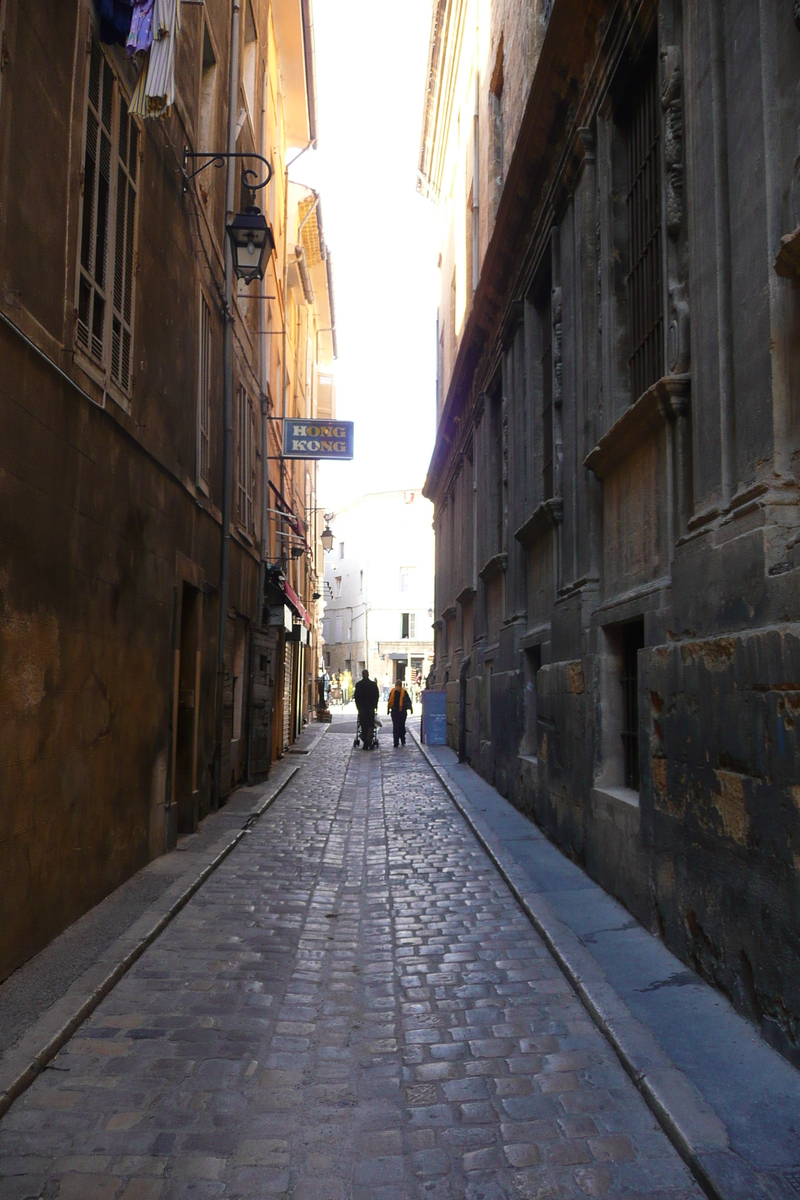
(204, 395)
(108, 225)
(632, 643)
(245, 473)
(546, 325)
(645, 299)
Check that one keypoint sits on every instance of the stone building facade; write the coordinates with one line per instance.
(117, 730)
(615, 475)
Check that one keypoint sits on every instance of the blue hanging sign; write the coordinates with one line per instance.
(318, 439)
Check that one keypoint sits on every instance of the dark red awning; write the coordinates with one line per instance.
(297, 605)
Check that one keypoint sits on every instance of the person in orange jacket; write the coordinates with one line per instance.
(399, 708)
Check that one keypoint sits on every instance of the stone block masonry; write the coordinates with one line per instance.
(615, 474)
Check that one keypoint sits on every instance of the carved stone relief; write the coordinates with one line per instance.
(678, 334)
(672, 104)
(558, 366)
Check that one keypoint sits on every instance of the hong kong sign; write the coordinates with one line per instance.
(317, 439)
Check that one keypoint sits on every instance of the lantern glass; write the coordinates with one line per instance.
(251, 243)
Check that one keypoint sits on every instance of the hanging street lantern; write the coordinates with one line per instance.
(327, 538)
(252, 243)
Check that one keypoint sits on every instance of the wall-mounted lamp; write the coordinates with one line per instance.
(251, 237)
(252, 243)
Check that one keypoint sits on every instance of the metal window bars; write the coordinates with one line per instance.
(545, 314)
(632, 643)
(645, 291)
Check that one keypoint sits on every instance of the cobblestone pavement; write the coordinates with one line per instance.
(352, 1006)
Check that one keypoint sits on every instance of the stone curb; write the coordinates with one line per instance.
(691, 1125)
(19, 1078)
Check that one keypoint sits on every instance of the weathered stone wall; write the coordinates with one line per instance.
(668, 520)
(721, 813)
(88, 533)
(102, 524)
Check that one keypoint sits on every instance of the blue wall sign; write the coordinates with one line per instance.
(318, 439)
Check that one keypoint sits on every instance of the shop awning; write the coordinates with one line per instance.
(297, 604)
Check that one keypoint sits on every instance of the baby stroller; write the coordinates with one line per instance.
(360, 736)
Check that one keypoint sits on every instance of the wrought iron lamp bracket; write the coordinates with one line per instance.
(217, 158)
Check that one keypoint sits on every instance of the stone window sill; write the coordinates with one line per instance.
(616, 795)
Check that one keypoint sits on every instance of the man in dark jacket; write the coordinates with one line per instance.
(366, 696)
(399, 708)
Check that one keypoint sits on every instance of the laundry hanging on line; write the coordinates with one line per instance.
(140, 38)
(154, 94)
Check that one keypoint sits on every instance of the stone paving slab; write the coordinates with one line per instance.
(731, 1103)
(352, 1007)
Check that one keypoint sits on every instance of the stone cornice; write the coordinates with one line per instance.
(497, 565)
(787, 264)
(546, 516)
(663, 401)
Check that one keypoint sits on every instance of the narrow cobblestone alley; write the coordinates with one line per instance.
(353, 1005)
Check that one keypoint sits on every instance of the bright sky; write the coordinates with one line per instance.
(371, 60)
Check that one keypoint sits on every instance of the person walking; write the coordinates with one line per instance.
(366, 696)
(399, 708)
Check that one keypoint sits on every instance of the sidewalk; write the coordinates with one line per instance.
(44, 1002)
(730, 1104)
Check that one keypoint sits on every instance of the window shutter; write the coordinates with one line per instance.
(252, 462)
(204, 396)
(245, 473)
(122, 333)
(96, 203)
(105, 281)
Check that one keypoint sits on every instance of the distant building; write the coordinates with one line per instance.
(379, 588)
(616, 475)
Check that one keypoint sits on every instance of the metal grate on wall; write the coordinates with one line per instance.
(645, 293)
(632, 643)
(545, 316)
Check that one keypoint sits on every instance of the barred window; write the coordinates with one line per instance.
(545, 311)
(246, 472)
(645, 299)
(632, 643)
(108, 225)
(204, 395)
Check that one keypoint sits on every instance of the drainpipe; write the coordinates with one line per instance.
(227, 398)
(285, 298)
